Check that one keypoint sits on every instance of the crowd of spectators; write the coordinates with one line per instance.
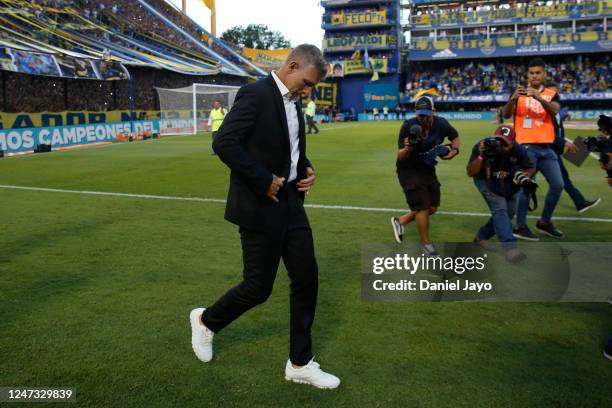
(480, 33)
(190, 27)
(495, 10)
(126, 17)
(35, 93)
(581, 74)
(31, 93)
(345, 34)
(371, 55)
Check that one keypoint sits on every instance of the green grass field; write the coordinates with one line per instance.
(95, 290)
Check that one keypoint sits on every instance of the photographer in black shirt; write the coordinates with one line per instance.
(420, 143)
(500, 167)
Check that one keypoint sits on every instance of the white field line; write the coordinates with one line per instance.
(318, 206)
(337, 127)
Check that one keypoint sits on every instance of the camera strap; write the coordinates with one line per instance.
(531, 198)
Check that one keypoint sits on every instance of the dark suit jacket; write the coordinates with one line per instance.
(253, 142)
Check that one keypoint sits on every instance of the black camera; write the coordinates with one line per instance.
(492, 147)
(604, 123)
(528, 185)
(601, 144)
(416, 135)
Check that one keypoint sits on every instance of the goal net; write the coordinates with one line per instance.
(187, 110)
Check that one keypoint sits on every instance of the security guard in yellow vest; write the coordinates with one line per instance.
(217, 114)
(311, 110)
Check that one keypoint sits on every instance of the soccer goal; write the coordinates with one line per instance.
(186, 110)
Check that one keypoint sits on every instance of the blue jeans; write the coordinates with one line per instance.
(546, 161)
(573, 192)
(502, 210)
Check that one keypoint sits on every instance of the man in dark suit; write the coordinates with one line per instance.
(262, 141)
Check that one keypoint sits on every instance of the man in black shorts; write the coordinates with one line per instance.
(420, 143)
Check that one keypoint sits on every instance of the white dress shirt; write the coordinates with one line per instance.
(292, 124)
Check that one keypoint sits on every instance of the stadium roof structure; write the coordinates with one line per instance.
(30, 27)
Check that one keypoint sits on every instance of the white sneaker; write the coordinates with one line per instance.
(311, 374)
(201, 336)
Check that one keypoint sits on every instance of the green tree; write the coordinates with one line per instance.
(255, 36)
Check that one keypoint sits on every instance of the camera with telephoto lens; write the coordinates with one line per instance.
(601, 144)
(528, 185)
(492, 147)
(416, 136)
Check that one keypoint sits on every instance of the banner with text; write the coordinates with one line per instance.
(479, 115)
(324, 94)
(36, 63)
(380, 95)
(503, 97)
(367, 41)
(23, 120)
(356, 18)
(357, 66)
(26, 140)
(268, 60)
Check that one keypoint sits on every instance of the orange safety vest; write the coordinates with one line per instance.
(542, 129)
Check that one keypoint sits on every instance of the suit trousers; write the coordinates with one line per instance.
(292, 241)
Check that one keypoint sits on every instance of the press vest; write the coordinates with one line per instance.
(311, 109)
(539, 124)
(217, 116)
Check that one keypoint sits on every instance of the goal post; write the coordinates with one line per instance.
(186, 110)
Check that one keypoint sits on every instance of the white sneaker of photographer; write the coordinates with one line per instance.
(311, 374)
(201, 336)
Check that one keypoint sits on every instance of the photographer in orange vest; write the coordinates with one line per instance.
(533, 109)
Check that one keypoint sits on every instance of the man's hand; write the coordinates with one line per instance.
(520, 91)
(277, 183)
(571, 147)
(481, 148)
(534, 93)
(407, 146)
(404, 151)
(450, 155)
(305, 184)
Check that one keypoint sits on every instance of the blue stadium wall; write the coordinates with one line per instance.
(351, 92)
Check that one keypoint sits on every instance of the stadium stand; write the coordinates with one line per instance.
(45, 45)
(584, 75)
(475, 52)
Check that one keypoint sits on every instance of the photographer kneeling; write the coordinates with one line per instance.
(500, 168)
(603, 145)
